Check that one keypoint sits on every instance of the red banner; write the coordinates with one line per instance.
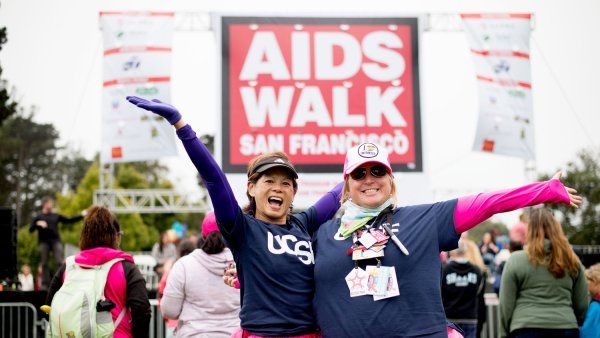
(315, 87)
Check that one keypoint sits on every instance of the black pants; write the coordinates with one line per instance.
(45, 248)
(544, 333)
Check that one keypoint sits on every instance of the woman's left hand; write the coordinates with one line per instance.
(575, 200)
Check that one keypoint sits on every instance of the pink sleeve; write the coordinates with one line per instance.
(472, 210)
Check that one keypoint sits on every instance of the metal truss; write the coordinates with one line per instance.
(151, 201)
(192, 21)
(452, 22)
(436, 22)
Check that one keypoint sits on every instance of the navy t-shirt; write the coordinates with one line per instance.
(425, 230)
(275, 266)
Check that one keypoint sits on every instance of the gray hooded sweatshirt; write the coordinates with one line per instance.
(196, 295)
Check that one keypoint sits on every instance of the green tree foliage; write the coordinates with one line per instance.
(8, 106)
(32, 165)
(582, 225)
(138, 234)
(27, 249)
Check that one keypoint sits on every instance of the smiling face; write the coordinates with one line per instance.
(370, 191)
(273, 194)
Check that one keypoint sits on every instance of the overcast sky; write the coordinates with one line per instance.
(53, 59)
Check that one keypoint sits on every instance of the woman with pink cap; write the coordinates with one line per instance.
(377, 268)
(195, 293)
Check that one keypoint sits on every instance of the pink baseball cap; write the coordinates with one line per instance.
(209, 224)
(366, 153)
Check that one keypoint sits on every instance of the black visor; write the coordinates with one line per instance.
(273, 162)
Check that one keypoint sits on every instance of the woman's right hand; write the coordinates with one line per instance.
(165, 110)
(230, 276)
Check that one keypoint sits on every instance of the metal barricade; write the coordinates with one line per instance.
(18, 320)
(158, 327)
(491, 328)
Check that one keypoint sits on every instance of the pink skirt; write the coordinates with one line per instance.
(241, 333)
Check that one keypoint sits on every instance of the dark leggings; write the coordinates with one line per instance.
(544, 333)
(45, 248)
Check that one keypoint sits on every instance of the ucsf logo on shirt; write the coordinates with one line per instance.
(289, 244)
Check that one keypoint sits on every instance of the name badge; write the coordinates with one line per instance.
(357, 282)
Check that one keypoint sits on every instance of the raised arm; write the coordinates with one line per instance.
(472, 210)
(327, 205)
(323, 209)
(65, 219)
(220, 192)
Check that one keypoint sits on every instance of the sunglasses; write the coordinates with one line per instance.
(376, 171)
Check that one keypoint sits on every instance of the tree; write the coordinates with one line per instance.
(32, 165)
(28, 157)
(8, 107)
(141, 231)
(582, 225)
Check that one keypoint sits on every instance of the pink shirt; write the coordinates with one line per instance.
(474, 209)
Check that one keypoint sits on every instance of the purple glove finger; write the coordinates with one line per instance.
(135, 99)
(157, 101)
(163, 109)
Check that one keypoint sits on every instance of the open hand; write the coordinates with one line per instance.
(575, 200)
(165, 110)
(230, 277)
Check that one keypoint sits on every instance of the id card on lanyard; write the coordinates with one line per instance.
(378, 281)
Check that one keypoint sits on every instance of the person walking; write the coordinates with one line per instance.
(125, 294)
(210, 310)
(46, 224)
(462, 285)
(544, 291)
(591, 326)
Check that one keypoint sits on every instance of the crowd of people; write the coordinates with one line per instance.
(375, 270)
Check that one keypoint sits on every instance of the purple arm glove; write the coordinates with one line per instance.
(327, 205)
(165, 110)
(218, 187)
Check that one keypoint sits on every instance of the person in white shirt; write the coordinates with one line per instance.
(26, 278)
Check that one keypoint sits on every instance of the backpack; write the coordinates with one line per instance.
(73, 311)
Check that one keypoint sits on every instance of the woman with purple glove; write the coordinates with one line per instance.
(271, 247)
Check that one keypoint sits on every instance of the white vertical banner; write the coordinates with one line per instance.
(137, 61)
(500, 48)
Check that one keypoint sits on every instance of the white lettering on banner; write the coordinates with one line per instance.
(372, 46)
(257, 109)
(311, 107)
(383, 104)
(325, 67)
(341, 115)
(251, 145)
(301, 56)
(339, 144)
(264, 44)
(265, 56)
(301, 249)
